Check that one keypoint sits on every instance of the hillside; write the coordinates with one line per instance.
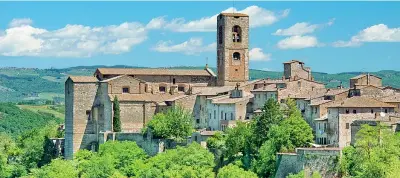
(15, 120)
(27, 84)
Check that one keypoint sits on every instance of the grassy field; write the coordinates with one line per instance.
(57, 111)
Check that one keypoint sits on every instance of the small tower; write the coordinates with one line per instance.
(232, 48)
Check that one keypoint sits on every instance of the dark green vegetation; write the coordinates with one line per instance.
(15, 121)
(25, 84)
(175, 123)
(375, 154)
(116, 116)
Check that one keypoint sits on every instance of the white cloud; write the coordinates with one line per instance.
(156, 23)
(20, 22)
(302, 28)
(259, 17)
(375, 33)
(71, 41)
(256, 54)
(298, 42)
(191, 47)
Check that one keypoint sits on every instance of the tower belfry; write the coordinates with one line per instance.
(232, 48)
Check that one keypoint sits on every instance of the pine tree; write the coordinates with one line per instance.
(116, 117)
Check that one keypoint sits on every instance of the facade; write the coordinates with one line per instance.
(216, 102)
(366, 79)
(232, 48)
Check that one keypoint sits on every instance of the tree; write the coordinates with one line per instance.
(298, 175)
(271, 115)
(233, 171)
(57, 168)
(190, 161)
(264, 166)
(98, 167)
(176, 123)
(375, 153)
(49, 152)
(124, 153)
(217, 141)
(117, 116)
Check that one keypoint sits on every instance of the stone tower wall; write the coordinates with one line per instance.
(231, 71)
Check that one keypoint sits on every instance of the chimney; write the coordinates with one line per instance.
(368, 79)
(264, 85)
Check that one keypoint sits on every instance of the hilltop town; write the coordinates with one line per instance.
(220, 99)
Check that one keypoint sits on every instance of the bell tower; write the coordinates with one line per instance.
(232, 48)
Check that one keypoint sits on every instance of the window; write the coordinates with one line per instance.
(210, 115)
(215, 114)
(236, 56)
(347, 125)
(182, 89)
(220, 36)
(386, 111)
(236, 70)
(354, 111)
(161, 88)
(197, 120)
(173, 81)
(125, 90)
(222, 115)
(225, 116)
(88, 115)
(231, 116)
(347, 111)
(236, 34)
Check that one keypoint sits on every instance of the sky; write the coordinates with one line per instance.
(329, 37)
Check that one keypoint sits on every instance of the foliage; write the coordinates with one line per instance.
(264, 166)
(49, 152)
(191, 161)
(116, 117)
(217, 141)
(233, 171)
(15, 121)
(175, 123)
(271, 115)
(57, 168)
(375, 153)
(238, 144)
(298, 175)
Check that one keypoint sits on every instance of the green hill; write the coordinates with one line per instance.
(30, 84)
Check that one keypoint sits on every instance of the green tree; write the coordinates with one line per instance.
(375, 153)
(98, 167)
(57, 168)
(117, 116)
(190, 161)
(233, 171)
(217, 141)
(49, 152)
(175, 123)
(264, 165)
(124, 153)
(271, 115)
(298, 175)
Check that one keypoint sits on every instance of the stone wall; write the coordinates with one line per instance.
(79, 124)
(231, 71)
(321, 160)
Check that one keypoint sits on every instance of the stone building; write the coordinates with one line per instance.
(232, 48)
(366, 79)
(216, 102)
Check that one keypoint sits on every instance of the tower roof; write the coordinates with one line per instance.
(234, 14)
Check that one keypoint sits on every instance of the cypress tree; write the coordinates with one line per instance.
(116, 117)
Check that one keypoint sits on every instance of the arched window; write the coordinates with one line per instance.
(236, 56)
(220, 38)
(236, 34)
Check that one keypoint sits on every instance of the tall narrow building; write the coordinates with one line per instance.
(232, 48)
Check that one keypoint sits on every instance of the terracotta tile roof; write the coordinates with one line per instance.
(152, 71)
(148, 97)
(225, 99)
(364, 75)
(391, 99)
(83, 79)
(360, 102)
(335, 91)
(212, 91)
(270, 87)
(234, 14)
(318, 102)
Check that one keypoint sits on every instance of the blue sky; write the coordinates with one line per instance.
(328, 36)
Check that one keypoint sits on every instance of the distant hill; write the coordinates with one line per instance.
(27, 84)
